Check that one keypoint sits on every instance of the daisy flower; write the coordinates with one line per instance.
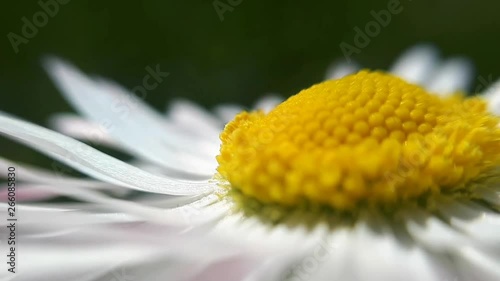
(368, 175)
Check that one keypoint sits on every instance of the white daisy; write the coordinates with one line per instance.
(364, 177)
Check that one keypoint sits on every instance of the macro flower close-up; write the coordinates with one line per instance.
(233, 140)
(368, 175)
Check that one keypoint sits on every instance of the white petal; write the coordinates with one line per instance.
(477, 265)
(493, 88)
(55, 177)
(137, 127)
(92, 162)
(451, 76)
(268, 102)
(494, 104)
(272, 268)
(416, 64)
(377, 254)
(79, 128)
(490, 195)
(340, 69)
(195, 211)
(54, 218)
(236, 268)
(26, 193)
(43, 220)
(88, 261)
(123, 206)
(227, 112)
(87, 253)
(481, 225)
(476, 251)
(334, 264)
(492, 96)
(434, 234)
(195, 119)
(73, 261)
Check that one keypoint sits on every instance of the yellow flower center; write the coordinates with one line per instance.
(366, 139)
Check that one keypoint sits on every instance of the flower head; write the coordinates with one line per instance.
(366, 139)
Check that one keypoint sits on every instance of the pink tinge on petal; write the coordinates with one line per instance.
(231, 269)
(80, 128)
(26, 194)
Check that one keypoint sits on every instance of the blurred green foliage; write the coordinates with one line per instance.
(259, 46)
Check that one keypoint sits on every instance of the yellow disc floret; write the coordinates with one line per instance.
(369, 138)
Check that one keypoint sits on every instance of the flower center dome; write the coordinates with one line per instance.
(366, 139)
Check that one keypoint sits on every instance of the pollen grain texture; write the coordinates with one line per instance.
(366, 139)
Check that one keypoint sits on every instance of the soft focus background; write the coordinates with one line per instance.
(253, 48)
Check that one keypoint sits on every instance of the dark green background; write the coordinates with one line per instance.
(261, 46)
